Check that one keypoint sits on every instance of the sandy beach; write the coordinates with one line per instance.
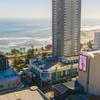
(87, 36)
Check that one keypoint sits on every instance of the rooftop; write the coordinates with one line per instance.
(60, 66)
(70, 84)
(44, 64)
(51, 64)
(27, 94)
(92, 53)
(63, 87)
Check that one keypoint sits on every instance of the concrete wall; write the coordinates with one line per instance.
(94, 81)
(90, 80)
(83, 79)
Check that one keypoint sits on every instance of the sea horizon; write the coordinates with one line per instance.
(24, 32)
(16, 33)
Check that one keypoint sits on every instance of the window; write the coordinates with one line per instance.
(45, 75)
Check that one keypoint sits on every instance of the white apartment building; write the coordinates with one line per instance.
(66, 27)
(97, 40)
(89, 72)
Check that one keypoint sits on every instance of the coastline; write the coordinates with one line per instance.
(88, 35)
(26, 47)
(40, 43)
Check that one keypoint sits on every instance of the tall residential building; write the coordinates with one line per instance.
(97, 40)
(66, 27)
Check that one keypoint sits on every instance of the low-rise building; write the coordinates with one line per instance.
(9, 78)
(63, 90)
(51, 70)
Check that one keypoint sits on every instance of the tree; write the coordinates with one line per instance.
(42, 48)
(23, 49)
(89, 44)
(30, 54)
(44, 55)
(14, 51)
(19, 64)
(36, 49)
(48, 47)
(32, 46)
(81, 46)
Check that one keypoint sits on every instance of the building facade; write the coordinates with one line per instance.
(66, 27)
(97, 40)
(9, 79)
(88, 75)
(51, 72)
(3, 62)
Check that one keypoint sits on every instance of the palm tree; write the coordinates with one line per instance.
(42, 48)
(90, 45)
(30, 54)
(48, 47)
(32, 46)
(81, 46)
(44, 55)
(23, 49)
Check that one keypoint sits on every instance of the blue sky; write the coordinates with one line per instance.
(91, 9)
(41, 9)
(25, 9)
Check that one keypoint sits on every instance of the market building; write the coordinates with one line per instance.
(52, 70)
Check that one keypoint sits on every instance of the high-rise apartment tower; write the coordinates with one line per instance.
(66, 15)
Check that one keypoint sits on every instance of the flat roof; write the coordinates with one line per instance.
(64, 87)
(46, 64)
(60, 88)
(51, 65)
(91, 53)
(70, 84)
(26, 94)
(61, 66)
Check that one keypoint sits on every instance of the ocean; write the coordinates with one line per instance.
(90, 24)
(19, 32)
(16, 33)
